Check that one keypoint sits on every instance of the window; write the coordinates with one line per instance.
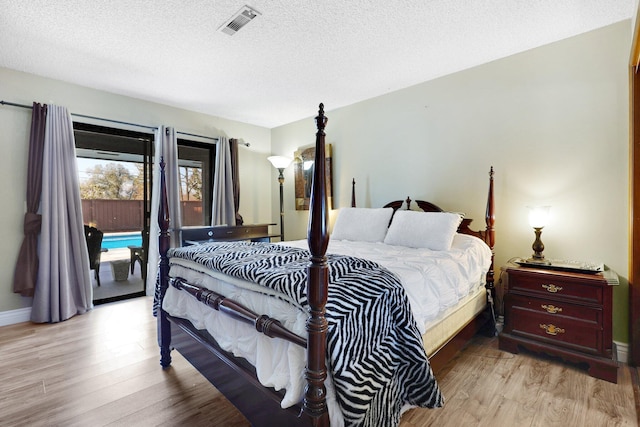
(195, 163)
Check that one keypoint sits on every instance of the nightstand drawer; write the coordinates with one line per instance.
(554, 308)
(556, 287)
(572, 333)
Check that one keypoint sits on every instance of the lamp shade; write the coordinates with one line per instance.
(279, 162)
(538, 216)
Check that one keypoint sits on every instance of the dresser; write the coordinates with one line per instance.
(563, 314)
(221, 233)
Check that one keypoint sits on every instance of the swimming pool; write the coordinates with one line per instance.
(121, 240)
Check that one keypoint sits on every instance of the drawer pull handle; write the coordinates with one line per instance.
(552, 288)
(551, 329)
(551, 308)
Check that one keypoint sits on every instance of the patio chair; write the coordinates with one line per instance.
(138, 254)
(94, 246)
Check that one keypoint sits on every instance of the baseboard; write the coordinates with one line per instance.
(622, 350)
(12, 317)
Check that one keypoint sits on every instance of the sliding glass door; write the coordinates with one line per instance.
(114, 167)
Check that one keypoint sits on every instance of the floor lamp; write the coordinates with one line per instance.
(280, 163)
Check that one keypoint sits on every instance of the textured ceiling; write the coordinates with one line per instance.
(283, 63)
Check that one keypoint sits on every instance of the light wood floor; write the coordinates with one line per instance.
(102, 368)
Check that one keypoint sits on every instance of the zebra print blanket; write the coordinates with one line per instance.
(374, 352)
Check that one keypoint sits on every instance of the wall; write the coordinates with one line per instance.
(255, 170)
(553, 121)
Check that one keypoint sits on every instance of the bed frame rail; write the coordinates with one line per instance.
(264, 324)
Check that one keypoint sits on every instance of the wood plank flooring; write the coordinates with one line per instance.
(102, 369)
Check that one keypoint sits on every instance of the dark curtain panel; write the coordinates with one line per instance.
(26, 272)
(233, 144)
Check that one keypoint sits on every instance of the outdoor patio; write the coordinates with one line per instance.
(109, 287)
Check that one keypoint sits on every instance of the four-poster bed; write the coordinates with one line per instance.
(240, 381)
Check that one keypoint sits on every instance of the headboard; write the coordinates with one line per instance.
(430, 207)
(487, 235)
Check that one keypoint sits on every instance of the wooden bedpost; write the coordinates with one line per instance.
(315, 404)
(164, 328)
(490, 236)
(353, 193)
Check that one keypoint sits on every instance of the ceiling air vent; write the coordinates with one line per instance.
(239, 20)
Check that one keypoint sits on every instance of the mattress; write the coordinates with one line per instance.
(452, 321)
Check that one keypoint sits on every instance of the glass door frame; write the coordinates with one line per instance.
(110, 139)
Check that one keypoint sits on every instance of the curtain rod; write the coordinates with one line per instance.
(246, 144)
(13, 104)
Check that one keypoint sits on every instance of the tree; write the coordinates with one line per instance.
(111, 181)
(191, 183)
(138, 182)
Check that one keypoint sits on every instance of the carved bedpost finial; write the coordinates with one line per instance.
(353, 193)
(321, 119)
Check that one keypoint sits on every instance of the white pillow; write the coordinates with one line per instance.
(362, 224)
(431, 230)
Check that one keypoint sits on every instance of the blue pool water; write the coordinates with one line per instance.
(121, 240)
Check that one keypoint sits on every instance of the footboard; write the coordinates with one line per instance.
(235, 377)
(314, 402)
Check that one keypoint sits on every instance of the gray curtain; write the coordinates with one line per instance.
(166, 146)
(26, 271)
(222, 206)
(63, 288)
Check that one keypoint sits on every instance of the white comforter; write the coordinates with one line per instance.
(434, 281)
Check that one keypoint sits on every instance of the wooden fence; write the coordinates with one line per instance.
(112, 216)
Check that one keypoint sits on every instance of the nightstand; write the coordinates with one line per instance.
(564, 314)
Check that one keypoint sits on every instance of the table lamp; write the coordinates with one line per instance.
(538, 217)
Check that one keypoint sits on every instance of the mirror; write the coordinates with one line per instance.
(303, 172)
